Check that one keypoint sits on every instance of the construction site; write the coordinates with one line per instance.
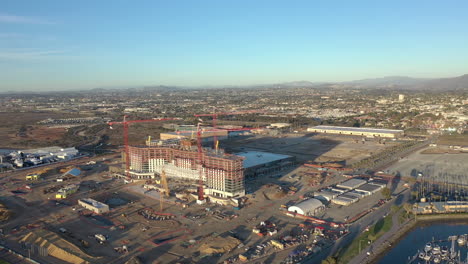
(189, 200)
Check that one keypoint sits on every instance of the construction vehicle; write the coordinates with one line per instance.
(165, 190)
(32, 177)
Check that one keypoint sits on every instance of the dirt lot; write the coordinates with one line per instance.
(19, 130)
(310, 147)
(439, 167)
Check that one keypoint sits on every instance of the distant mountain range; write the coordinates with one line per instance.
(391, 82)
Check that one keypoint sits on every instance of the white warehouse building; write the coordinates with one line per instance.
(357, 131)
(308, 207)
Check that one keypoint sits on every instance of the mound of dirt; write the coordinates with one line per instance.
(58, 247)
(274, 192)
(216, 245)
(5, 214)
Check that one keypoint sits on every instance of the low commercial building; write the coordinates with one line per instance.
(345, 200)
(440, 207)
(357, 194)
(93, 205)
(357, 131)
(280, 125)
(308, 207)
(351, 184)
(369, 188)
(326, 195)
(339, 190)
(382, 183)
(206, 135)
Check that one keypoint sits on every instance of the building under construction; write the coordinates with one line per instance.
(222, 174)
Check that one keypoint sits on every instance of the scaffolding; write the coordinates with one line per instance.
(222, 174)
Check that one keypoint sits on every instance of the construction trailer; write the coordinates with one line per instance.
(32, 177)
(64, 192)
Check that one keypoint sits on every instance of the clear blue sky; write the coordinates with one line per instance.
(57, 45)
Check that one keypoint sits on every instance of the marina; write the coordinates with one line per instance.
(444, 243)
(439, 252)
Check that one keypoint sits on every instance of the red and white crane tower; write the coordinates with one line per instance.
(214, 117)
(126, 123)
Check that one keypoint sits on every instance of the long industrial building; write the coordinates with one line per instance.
(357, 131)
(222, 174)
(206, 135)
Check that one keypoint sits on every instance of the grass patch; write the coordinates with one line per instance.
(374, 233)
(4, 262)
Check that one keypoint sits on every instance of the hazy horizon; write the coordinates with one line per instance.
(53, 45)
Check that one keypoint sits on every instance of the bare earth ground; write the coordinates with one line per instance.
(12, 122)
(310, 147)
(439, 167)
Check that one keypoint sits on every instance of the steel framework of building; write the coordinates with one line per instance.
(126, 123)
(222, 173)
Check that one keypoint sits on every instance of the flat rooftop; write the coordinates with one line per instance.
(93, 202)
(255, 158)
(358, 129)
(351, 184)
(369, 187)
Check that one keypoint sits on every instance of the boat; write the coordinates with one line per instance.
(461, 240)
(436, 259)
(444, 251)
(422, 255)
(428, 247)
(453, 254)
(428, 256)
(436, 249)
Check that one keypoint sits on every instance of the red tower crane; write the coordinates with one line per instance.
(126, 123)
(201, 193)
(214, 117)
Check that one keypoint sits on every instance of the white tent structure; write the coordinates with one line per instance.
(307, 207)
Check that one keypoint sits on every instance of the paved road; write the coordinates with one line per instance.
(358, 227)
(379, 243)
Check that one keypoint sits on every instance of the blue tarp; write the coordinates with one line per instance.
(74, 172)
